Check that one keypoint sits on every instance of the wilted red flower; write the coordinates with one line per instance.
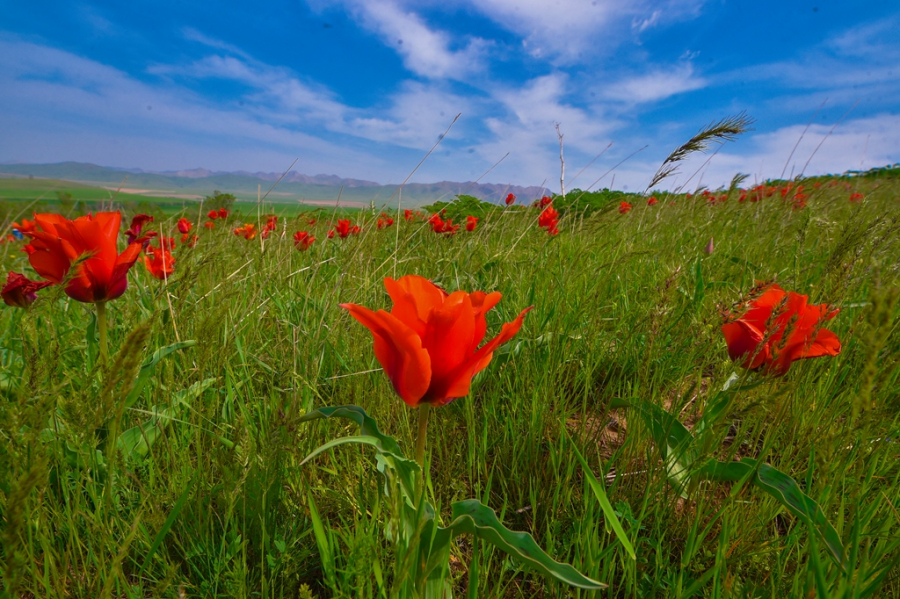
(159, 262)
(89, 243)
(471, 223)
(212, 214)
(184, 226)
(776, 328)
(652, 201)
(209, 224)
(510, 199)
(302, 240)
(133, 234)
(20, 292)
(428, 342)
(223, 213)
(624, 208)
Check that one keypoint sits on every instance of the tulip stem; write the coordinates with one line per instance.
(101, 327)
(424, 410)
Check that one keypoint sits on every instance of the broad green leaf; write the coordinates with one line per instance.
(390, 458)
(137, 441)
(605, 505)
(786, 490)
(473, 517)
(149, 365)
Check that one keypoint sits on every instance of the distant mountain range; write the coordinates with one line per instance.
(293, 187)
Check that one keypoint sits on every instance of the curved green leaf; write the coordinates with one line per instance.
(473, 517)
(367, 424)
(786, 490)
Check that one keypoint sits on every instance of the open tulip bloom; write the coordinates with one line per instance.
(428, 342)
(428, 347)
(777, 328)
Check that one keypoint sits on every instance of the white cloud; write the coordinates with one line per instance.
(656, 85)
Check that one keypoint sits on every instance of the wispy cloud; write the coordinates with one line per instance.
(656, 85)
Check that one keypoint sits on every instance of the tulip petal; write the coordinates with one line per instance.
(414, 298)
(448, 340)
(743, 341)
(485, 354)
(482, 303)
(399, 351)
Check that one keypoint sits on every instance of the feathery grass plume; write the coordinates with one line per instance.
(725, 130)
(737, 180)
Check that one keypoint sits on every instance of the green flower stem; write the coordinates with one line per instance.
(424, 410)
(101, 326)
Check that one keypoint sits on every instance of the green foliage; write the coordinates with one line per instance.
(461, 207)
(627, 307)
(219, 200)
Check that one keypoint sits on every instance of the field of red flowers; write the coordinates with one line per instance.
(656, 396)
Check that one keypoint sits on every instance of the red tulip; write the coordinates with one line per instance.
(27, 226)
(342, 228)
(159, 262)
(624, 208)
(212, 214)
(510, 199)
(88, 243)
(471, 223)
(223, 213)
(652, 201)
(302, 240)
(549, 219)
(184, 226)
(21, 292)
(209, 224)
(428, 342)
(407, 215)
(777, 328)
(856, 197)
(133, 234)
(545, 201)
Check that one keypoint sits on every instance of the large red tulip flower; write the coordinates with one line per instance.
(776, 328)
(88, 244)
(428, 342)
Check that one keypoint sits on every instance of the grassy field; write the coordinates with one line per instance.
(211, 501)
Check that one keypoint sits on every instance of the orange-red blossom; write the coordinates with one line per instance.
(428, 342)
(778, 328)
(89, 242)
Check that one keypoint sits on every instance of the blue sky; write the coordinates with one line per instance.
(364, 88)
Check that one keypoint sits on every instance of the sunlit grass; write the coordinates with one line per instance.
(626, 307)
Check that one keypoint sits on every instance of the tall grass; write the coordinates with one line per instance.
(627, 307)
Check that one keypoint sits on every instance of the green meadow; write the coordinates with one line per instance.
(175, 469)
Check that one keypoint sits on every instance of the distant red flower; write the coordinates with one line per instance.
(209, 224)
(247, 231)
(355, 229)
(407, 215)
(545, 201)
(87, 244)
(331, 234)
(223, 213)
(549, 218)
(510, 199)
(777, 328)
(471, 223)
(856, 197)
(133, 234)
(159, 262)
(652, 201)
(27, 226)
(384, 221)
(189, 240)
(428, 342)
(184, 226)
(439, 225)
(302, 240)
(624, 208)
(342, 228)
(20, 292)
(311, 221)
(212, 214)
